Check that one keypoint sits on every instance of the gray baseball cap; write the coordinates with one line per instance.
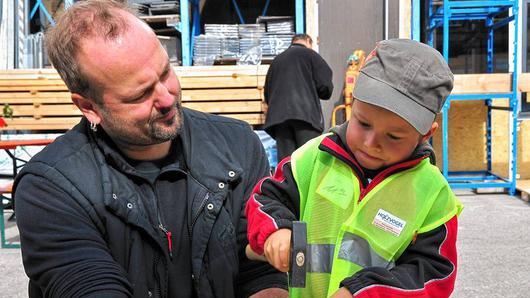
(408, 78)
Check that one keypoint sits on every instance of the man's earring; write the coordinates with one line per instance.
(93, 126)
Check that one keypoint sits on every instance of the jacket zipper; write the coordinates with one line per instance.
(169, 240)
(196, 216)
(161, 226)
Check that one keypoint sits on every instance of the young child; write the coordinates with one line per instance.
(381, 219)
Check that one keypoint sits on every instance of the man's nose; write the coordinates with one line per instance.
(164, 98)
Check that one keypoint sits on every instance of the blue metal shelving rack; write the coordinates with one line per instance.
(39, 5)
(189, 27)
(299, 13)
(490, 12)
(187, 38)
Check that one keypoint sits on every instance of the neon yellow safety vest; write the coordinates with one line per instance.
(345, 235)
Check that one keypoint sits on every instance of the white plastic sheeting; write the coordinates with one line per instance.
(7, 34)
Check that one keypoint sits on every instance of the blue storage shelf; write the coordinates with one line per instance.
(189, 26)
(495, 14)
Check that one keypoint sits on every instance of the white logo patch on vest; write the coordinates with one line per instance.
(388, 222)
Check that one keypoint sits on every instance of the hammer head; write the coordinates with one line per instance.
(298, 268)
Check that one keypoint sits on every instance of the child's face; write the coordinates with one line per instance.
(379, 138)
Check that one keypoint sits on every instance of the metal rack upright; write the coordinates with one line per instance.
(492, 12)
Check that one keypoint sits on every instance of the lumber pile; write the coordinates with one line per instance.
(39, 100)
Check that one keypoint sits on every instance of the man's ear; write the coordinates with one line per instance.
(430, 133)
(87, 107)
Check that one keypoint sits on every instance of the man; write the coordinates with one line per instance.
(296, 79)
(142, 198)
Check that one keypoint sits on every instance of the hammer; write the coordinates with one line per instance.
(298, 262)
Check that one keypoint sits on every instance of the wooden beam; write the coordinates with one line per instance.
(40, 110)
(252, 119)
(221, 94)
(221, 70)
(226, 106)
(524, 82)
(221, 82)
(482, 83)
(37, 97)
(55, 123)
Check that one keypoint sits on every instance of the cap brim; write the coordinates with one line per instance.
(372, 91)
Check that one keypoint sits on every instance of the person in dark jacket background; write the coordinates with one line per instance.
(143, 198)
(296, 80)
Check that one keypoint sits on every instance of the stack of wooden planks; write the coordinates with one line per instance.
(232, 91)
(38, 99)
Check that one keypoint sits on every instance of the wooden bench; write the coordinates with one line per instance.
(38, 100)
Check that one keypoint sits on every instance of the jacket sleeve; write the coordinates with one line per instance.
(273, 204)
(427, 268)
(65, 255)
(323, 77)
(255, 275)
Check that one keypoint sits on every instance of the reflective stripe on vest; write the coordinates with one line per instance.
(353, 248)
(320, 258)
(357, 250)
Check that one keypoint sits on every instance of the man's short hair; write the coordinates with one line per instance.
(83, 20)
(302, 36)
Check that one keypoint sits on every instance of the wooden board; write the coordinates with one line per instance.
(30, 98)
(226, 107)
(51, 123)
(524, 82)
(524, 187)
(222, 94)
(482, 83)
(168, 18)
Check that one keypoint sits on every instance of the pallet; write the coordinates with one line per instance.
(524, 187)
(39, 99)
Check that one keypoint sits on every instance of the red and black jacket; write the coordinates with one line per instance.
(427, 268)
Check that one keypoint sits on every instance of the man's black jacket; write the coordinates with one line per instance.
(296, 81)
(95, 239)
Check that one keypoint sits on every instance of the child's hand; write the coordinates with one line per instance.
(277, 249)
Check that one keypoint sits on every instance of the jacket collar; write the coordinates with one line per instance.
(114, 156)
(207, 151)
(422, 150)
(298, 45)
(335, 144)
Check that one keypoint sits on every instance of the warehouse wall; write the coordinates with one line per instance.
(344, 26)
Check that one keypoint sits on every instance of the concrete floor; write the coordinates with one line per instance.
(493, 241)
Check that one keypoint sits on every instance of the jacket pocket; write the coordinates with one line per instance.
(222, 259)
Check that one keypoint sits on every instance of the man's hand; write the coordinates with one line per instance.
(277, 249)
(342, 293)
